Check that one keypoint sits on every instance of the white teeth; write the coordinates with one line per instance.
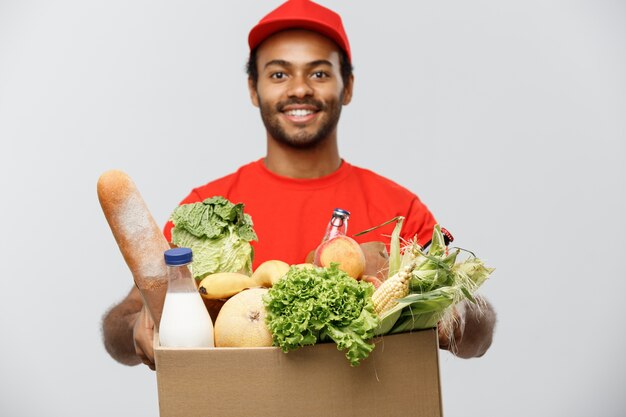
(299, 112)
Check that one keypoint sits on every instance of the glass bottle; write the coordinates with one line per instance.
(185, 321)
(338, 224)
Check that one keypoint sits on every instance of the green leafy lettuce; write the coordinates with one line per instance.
(310, 305)
(219, 234)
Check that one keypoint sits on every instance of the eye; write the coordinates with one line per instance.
(320, 74)
(278, 75)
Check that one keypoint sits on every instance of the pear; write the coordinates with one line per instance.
(269, 272)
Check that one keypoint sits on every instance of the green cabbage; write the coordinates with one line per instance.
(218, 233)
(310, 305)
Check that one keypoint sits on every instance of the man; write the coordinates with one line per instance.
(300, 77)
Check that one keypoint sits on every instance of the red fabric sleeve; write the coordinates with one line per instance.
(419, 223)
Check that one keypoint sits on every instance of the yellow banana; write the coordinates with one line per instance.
(224, 284)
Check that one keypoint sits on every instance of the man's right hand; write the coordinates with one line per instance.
(143, 335)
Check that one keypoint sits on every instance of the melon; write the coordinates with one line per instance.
(241, 321)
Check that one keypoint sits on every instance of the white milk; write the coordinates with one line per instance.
(185, 321)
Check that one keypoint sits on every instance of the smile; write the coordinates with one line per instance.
(299, 112)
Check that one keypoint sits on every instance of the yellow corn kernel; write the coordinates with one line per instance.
(394, 288)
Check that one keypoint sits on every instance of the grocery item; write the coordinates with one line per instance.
(185, 321)
(218, 232)
(137, 235)
(421, 292)
(389, 292)
(376, 259)
(269, 272)
(345, 252)
(337, 247)
(338, 224)
(224, 284)
(241, 321)
(372, 280)
(311, 305)
(379, 263)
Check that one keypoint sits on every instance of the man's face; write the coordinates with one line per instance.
(299, 89)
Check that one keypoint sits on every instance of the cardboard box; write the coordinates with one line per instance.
(399, 378)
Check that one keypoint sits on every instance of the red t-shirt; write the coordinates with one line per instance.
(290, 215)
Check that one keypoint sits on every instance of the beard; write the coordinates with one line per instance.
(302, 138)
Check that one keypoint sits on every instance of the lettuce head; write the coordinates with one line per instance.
(219, 234)
(310, 305)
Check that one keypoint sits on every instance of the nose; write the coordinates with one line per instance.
(300, 87)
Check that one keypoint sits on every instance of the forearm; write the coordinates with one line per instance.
(480, 321)
(117, 331)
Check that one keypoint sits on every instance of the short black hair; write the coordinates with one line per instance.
(345, 67)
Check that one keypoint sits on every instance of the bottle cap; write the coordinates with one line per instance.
(447, 236)
(178, 256)
(341, 212)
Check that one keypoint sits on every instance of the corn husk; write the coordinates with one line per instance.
(439, 280)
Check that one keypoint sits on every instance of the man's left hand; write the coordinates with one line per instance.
(451, 328)
(467, 331)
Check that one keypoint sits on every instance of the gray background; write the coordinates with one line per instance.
(506, 118)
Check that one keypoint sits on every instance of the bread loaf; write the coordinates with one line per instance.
(138, 237)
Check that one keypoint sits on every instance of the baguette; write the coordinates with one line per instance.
(138, 237)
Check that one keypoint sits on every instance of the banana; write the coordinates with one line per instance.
(224, 285)
(269, 272)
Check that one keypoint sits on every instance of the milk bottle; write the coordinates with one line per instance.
(185, 321)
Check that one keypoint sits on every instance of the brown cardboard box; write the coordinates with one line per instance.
(399, 378)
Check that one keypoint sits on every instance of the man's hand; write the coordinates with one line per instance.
(468, 331)
(143, 335)
(127, 331)
(451, 329)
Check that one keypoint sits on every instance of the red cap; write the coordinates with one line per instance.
(301, 14)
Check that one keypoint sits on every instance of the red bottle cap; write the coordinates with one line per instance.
(447, 236)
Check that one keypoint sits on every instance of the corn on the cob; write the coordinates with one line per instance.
(394, 288)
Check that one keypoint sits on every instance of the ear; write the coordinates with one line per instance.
(254, 96)
(347, 91)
